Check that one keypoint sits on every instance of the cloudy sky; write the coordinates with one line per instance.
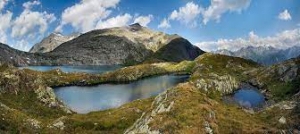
(209, 24)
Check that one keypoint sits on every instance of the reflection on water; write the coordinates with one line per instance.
(246, 96)
(105, 96)
(70, 69)
(249, 98)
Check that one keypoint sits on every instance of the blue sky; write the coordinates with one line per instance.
(210, 24)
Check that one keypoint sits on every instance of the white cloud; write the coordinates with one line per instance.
(85, 15)
(22, 45)
(3, 3)
(26, 28)
(285, 15)
(31, 21)
(3, 38)
(190, 12)
(253, 36)
(187, 14)
(5, 21)
(219, 7)
(164, 24)
(5, 24)
(59, 29)
(143, 20)
(30, 4)
(281, 40)
(118, 21)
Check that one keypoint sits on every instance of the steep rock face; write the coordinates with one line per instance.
(51, 42)
(176, 50)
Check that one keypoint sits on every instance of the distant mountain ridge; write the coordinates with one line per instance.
(51, 42)
(126, 45)
(264, 55)
(15, 57)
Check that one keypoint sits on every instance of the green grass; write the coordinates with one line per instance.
(27, 102)
(191, 106)
(282, 91)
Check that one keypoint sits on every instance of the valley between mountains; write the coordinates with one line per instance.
(28, 103)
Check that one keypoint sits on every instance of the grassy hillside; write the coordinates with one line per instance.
(28, 104)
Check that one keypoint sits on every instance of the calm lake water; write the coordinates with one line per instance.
(106, 96)
(72, 69)
(249, 98)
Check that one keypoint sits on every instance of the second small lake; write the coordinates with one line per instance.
(73, 69)
(106, 96)
(247, 97)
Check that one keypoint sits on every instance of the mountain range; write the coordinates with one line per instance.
(263, 55)
(28, 103)
(120, 45)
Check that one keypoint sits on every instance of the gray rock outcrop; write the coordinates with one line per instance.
(51, 42)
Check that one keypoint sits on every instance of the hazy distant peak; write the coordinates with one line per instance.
(52, 41)
(263, 54)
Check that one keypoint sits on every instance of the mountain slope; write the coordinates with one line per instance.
(177, 50)
(28, 104)
(51, 42)
(13, 56)
(263, 55)
(152, 40)
(121, 45)
(124, 45)
(91, 50)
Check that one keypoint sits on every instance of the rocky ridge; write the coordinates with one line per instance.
(51, 42)
(122, 45)
(15, 57)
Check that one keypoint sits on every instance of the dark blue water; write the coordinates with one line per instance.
(72, 69)
(106, 96)
(249, 98)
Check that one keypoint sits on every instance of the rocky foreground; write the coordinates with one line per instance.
(28, 104)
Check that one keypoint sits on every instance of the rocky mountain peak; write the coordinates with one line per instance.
(56, 34)
(135, 27)
(51, 42)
